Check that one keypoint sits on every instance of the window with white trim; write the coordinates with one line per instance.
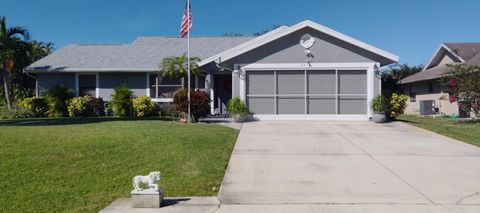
(163, 87)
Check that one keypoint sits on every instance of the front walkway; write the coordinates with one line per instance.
(349, 163)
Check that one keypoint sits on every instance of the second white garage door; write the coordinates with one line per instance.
(307, 92)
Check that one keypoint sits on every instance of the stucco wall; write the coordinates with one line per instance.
(134, 81)
(421, 88)
(49, 80)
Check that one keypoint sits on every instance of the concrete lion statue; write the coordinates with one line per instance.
(151, 181)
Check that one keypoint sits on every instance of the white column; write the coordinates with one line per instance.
(243, 89)
(209, 89)
(370, 87)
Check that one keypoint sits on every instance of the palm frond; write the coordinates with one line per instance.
(18, 31)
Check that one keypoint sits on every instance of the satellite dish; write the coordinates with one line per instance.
(307, 41)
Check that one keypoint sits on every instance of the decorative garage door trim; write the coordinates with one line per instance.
(303, 100)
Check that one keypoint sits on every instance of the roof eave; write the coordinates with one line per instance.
(76, 70)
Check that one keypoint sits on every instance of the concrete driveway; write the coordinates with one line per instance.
(361, 166)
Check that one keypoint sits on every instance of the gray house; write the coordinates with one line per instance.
(303, 72)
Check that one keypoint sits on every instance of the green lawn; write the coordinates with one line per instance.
(464, 131)
(82, 165)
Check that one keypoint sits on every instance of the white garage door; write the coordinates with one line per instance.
(307, 92)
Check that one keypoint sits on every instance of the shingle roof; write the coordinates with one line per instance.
(145, 53)
(470, 52)
(429, 74)
(465, 50)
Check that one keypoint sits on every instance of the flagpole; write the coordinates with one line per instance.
(188, 58)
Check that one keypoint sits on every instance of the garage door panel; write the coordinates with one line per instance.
(321, 105)
(352, 105)
(352, 82)
(260, 82)
(261, 105)
(291, 82)
(321, 81)
(291, 105)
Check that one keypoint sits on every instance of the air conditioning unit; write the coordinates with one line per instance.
(427, 107)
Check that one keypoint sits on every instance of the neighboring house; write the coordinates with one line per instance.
(326, 76)
(425, 91)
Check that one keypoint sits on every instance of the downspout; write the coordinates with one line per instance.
(36, 81)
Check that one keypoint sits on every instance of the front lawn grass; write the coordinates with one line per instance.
(84, 164)
(464, 131)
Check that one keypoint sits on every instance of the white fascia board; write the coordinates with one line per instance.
(313, 66)
(239, 49)
(437, 54)
(94, 70)
(276, 34)
(433, 57)
(453, 53)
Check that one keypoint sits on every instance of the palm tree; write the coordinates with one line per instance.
(176, 67)
(38, 50)
(12, 42)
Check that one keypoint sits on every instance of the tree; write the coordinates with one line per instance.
(12, 45)
(39, 50)
(391, 78)
(176, 67)
(463, 83)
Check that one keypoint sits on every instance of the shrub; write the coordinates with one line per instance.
(14, 113)
(57, 99)
(122, 101)
(180, 100)
(96, 107)
(143, 106)
(168, 111)
(38, 107)
(397, 105)
(237, 107)
(86, 106)
(380, 104)
(78, 106)
(199, 103)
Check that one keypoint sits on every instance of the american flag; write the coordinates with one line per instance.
(185, 27)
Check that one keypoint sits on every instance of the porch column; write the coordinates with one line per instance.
(243, 90)
(209, 88)
(236, 81)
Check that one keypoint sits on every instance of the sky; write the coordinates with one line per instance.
(411, 29)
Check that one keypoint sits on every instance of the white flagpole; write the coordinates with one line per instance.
(188, 57)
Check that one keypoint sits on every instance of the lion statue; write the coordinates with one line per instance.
(151, 181)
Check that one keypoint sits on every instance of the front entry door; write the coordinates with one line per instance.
(223, 92)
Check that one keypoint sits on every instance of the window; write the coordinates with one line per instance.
(162, 87)
(87, 85)
(413, 95)
(430, 87)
